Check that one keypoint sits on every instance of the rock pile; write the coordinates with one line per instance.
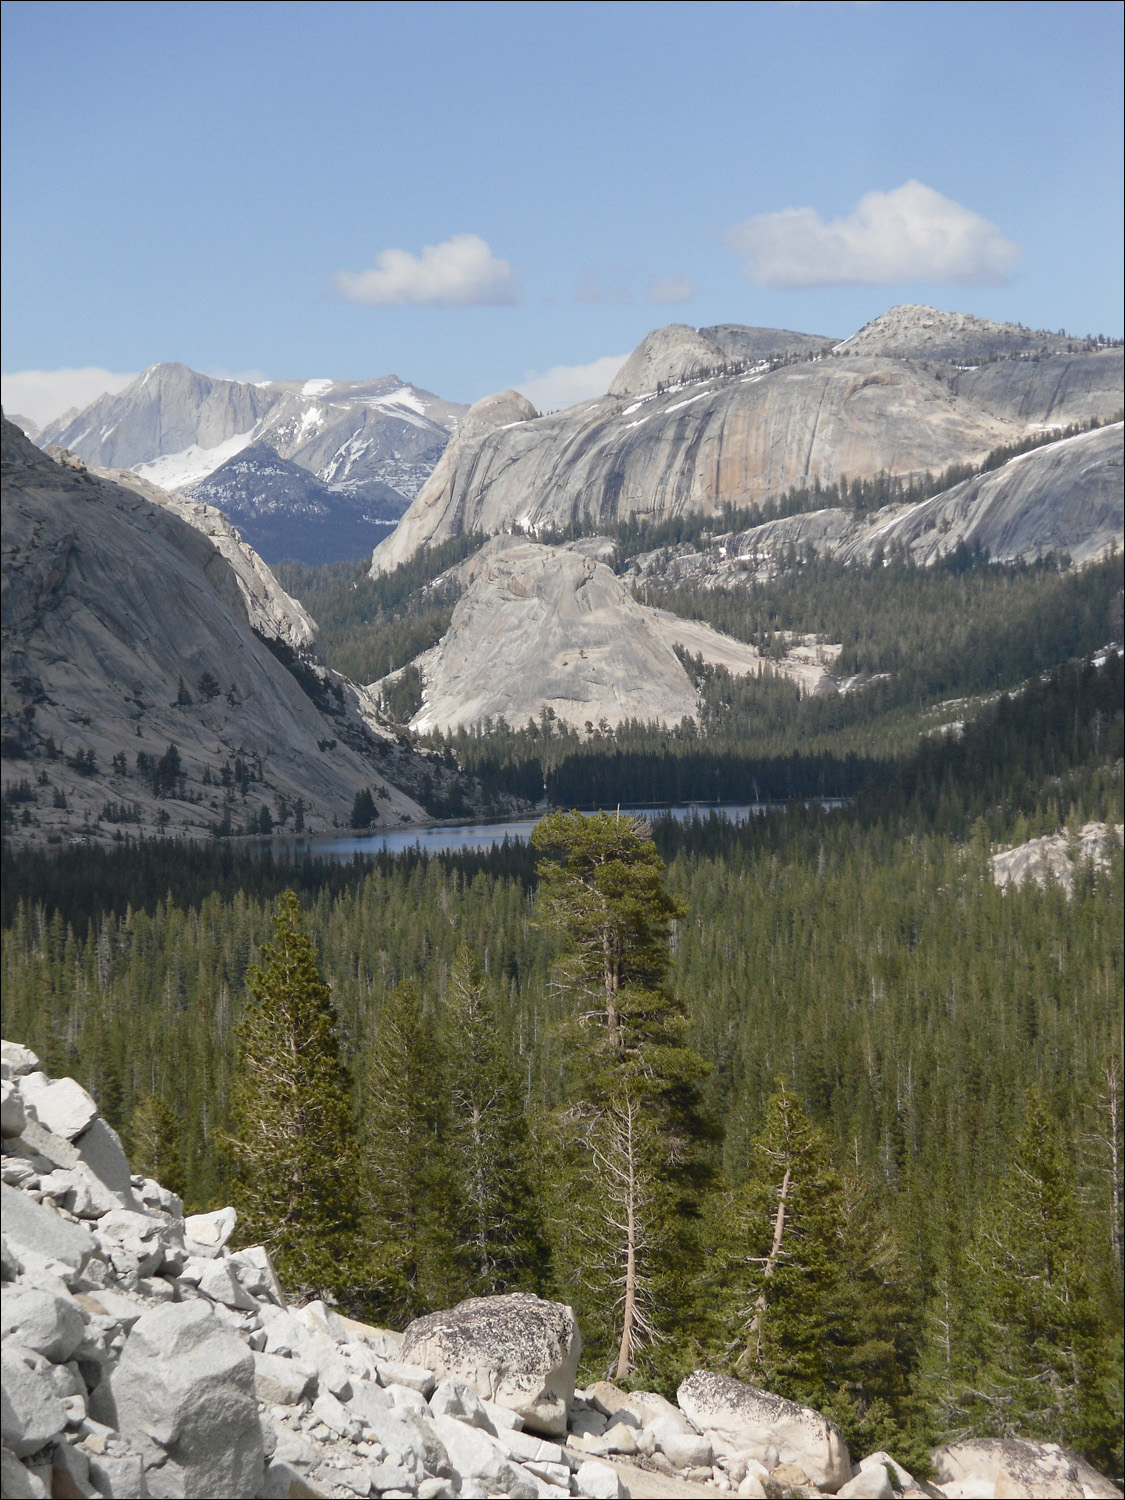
(143, 1357)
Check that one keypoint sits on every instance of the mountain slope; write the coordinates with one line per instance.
(684, 428)
(1064, 497)
(133, 622)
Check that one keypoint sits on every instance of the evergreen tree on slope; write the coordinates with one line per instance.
(293, 1134)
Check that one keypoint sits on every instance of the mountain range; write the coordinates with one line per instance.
(685, 427)
(313, 470)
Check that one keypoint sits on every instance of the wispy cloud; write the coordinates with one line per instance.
(563, 385)
(460, 272)
(667, 290)
(44, 395)
(909, 234)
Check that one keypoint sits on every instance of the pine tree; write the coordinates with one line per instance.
(631, 1143)
(1046, 1360)
(411, 1201)
(501, 1232)
(155, 1143)
(293, 1133)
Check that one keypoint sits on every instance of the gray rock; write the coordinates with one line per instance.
(16, 1060)
(16, 1481)
(518, 1351)
(255, 1271)
(136, 1243)
(13, 1116)
(1017, 1466)
(414, 1377)
(218, 1281)
(119, 1475)
(480, 1461)
(544, 627)
(211, 1230)
(370, 1403)
(453, 1398)
(685, 1450)
(751, 1420)
(281, 1382)
(599, 1481)
(187, 1384)
(30, 1411)
(336, 1417)
(60, 1104)
(103, 1154)
(79, 642)
(872, 1482)
(33, 1230)
(51, 1324)
(667, 356)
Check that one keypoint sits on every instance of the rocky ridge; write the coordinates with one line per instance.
(144, 1357)
(689, 425)
(915, 331)
(133, 621)
(368, 446)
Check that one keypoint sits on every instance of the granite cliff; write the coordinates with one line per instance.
(690, 425)
(157, 678)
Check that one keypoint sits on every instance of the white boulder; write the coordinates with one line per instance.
(752, 1421)
(186, 1384)
(61, 1104)
(519, 1351)
(51, 1324)
(1011, 1467)
(599, 1481)
(31, 1414)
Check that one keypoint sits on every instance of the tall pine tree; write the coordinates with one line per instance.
(293, 1133)
(501, 1233)
(631, 1141)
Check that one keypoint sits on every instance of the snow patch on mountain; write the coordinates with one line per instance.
(175, 471)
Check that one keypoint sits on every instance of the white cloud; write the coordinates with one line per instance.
(44, 395)
(670, 289)
(909, 234)
(460, 272)
(563, 385)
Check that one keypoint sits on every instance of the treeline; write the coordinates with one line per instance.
(962, 625)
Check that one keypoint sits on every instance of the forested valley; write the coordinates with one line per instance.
(831, 1008)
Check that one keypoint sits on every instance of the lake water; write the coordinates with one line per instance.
(449, 836)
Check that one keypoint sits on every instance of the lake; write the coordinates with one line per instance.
(443, 837)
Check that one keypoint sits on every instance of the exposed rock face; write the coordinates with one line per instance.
(517, 1351)
(667, 356)
(752, 1422)
(1065, 497)
(546, 627)
(914, 331)
(1053, 390)
(891, 402)
(1054, 858)
(185, 1385)
(112, 597)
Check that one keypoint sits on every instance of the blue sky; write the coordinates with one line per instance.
(252, 188)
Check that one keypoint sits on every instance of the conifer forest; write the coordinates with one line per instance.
(810, 1100)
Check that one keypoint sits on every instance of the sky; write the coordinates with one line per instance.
(476, 196)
